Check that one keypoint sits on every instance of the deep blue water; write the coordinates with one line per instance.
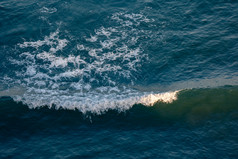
(118, 79)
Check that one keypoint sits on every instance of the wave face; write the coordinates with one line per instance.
(190, 106)
(193, 123)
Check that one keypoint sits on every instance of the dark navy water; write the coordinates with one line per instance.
(118, 79)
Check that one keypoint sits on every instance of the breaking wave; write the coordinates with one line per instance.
(94, 75)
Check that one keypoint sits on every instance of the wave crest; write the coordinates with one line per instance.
(95, 103)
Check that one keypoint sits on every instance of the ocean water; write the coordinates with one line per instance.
(118, 79)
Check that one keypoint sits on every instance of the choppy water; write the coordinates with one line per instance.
(124, 79)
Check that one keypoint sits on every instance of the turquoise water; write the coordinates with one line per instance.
(124, 79)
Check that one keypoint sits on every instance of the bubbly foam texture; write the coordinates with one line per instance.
(48, 10)
(95, 77)
(167, 97)
(94, 103)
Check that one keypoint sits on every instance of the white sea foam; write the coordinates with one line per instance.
(31, 71)
(48, 10)
(92, 39)
(167, 97)
(88, 79)
(52, 40)
(94, 103)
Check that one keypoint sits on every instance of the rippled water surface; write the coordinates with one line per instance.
(124, 79)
